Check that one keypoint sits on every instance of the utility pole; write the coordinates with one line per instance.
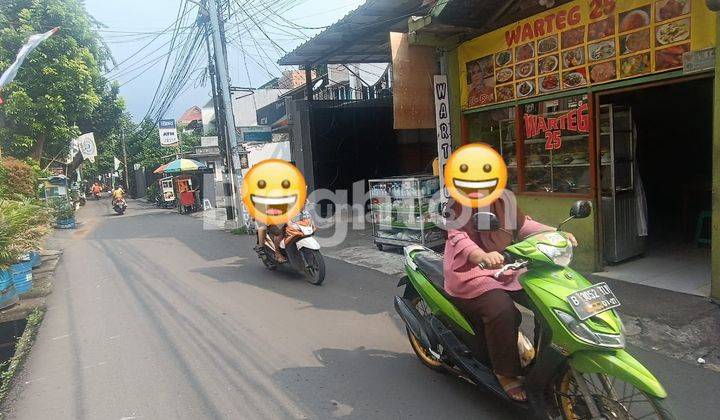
(124, 147)
(221, 68)
(211, 71)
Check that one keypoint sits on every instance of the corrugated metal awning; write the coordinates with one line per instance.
(359, 37)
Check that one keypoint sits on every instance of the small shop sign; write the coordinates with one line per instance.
(442, 127)
(574, 121)
(168, 133)
(697, 61)
(261, 133)
(585, 43)
(207, 150)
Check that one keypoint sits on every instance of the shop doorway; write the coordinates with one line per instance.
(655, 176)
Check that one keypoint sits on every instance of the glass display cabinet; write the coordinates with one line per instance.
(401, 211)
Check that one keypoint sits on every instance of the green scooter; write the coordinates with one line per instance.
(580, 369)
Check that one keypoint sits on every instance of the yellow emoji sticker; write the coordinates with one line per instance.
(274, 191)
(475, 175)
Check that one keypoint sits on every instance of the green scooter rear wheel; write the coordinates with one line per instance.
(424, 354)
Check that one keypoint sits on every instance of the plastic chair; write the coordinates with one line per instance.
(699, 238)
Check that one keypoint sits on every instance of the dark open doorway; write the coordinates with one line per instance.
(657, 197)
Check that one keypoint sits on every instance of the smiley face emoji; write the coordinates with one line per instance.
(274, 191)
(475, 175)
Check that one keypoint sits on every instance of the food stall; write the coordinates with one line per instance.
(188, 194)
(554, 93)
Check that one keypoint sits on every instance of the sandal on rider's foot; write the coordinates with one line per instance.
(279, 258)
(515, 390)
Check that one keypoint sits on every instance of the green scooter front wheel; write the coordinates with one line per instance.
(614, 399)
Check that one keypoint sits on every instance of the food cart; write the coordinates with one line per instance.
(188, 200)
(167, 192)
(179, 190)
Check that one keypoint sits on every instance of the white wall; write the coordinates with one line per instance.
(245, 104)
(258, 152)
(208, 113)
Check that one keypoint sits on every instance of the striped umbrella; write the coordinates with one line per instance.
(160, 169)
(184, 165)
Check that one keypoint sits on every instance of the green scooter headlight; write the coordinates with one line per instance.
(561, 256)
(583, 333)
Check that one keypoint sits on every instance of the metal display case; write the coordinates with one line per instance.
(401, 212)
(617, 178)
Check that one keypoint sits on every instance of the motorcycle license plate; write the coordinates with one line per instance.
(593, 300)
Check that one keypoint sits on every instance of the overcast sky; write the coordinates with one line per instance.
(126, 20)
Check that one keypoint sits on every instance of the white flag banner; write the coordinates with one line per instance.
(74, 150)
(117, 163)
(87, 146)
(30, 45)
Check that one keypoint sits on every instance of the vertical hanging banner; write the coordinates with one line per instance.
(168, 133)
(442, 127)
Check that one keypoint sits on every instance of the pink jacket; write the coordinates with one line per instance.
(466, 280)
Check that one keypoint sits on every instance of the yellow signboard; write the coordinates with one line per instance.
(581, 43)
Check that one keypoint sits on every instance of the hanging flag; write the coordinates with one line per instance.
(30, 45)
(117, 163)
(74, 150)
(87, 146)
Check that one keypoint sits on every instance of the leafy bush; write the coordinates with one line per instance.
(17, 179)
(22, 226)
(61, 208)
(152, 192)
(3, 189)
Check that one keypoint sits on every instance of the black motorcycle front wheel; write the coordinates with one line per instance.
(315, 269)
(614, 399)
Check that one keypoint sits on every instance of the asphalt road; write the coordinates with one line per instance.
(152, 317)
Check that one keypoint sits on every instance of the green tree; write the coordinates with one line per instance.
(59, 92)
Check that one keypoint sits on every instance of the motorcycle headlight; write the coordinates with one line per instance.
(580, 330)
(561, 256)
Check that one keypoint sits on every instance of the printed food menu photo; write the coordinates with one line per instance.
(581, 43)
